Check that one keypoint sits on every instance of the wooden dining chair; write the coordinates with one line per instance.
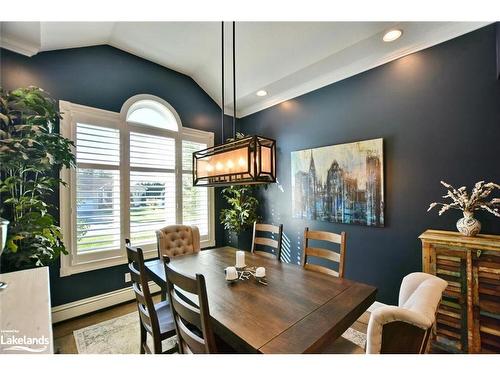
(155, 319)
(191, 318)
(269, 247)
(324, 253)
(174, 240)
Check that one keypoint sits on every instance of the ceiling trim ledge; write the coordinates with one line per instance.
(446, 33)
(20, 47)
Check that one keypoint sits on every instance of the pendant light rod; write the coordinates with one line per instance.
(247, 161)
(222, 119)
(234, 80)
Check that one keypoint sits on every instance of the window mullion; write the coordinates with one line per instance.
(72, 202)
(125, 177)
(178, 180)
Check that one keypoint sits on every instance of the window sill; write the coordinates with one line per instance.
(67, 269)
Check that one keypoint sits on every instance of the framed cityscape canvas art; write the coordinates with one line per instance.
(340, 183)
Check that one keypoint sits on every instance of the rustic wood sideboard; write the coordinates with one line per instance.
(468, 318)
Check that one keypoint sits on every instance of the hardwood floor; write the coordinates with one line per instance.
(361, 324)
(64, 341)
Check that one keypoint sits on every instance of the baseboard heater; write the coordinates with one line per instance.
(92, 304)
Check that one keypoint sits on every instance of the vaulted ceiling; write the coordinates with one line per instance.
(287, 59)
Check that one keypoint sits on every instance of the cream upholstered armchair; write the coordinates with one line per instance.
(174, 240)
(405, 328)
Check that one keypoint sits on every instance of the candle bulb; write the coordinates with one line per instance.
(240, 259)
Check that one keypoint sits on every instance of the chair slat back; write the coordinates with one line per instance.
(189, 341)
(268, 247)
(140, 286)
(192, 320)
(187, 311)
(320, 253)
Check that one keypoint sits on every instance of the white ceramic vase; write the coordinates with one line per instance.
(468, 225)
(4, 224)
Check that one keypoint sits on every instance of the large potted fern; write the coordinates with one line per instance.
(31, 155)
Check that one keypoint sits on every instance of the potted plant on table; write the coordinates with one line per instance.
(31, 155)
(477, 200)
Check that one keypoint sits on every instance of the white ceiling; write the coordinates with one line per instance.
(286, 59)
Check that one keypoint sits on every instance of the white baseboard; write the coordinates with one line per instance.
(91, 304)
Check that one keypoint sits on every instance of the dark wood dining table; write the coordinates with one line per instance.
(298, 311)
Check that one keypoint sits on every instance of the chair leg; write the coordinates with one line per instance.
(157, 349)
(144, 337)
(163, 294)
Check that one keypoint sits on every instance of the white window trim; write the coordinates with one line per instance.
(73, 263)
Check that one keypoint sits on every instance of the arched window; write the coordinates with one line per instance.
(152, 113)
(133, 176)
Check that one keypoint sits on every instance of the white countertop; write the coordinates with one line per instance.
(25, 314)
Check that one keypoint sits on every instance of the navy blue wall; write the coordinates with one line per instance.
(438, 111)
(105, 77)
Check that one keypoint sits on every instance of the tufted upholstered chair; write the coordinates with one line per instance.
(174, 240)
(405, 328)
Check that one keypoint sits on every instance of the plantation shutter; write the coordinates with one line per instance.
(152, 186)
(97, 188)
(133, 176)
(196, 209)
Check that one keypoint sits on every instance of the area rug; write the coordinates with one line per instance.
(356, 337)
(115, 336)
(121, 336)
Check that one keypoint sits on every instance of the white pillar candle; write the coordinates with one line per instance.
(240, 259)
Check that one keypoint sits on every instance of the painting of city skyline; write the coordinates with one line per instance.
(340, 183)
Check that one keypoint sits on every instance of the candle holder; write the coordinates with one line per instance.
(245, 273)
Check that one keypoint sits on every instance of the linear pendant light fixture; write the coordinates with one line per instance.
(247, 161)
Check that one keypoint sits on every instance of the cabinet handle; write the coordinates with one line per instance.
(478, 253)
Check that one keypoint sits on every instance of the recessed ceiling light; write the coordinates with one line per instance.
(392, 35)
(261, 93)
